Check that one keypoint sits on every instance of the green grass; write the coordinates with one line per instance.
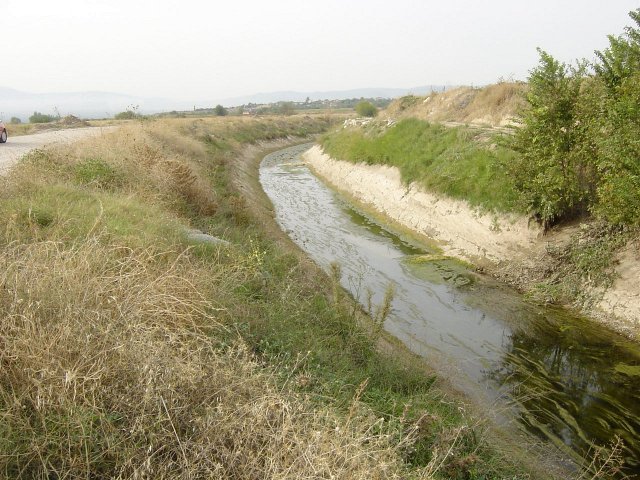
(96, 171)
(458, 162)
(66, 213)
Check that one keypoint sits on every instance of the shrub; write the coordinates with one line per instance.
(615, 127)
(547, 172)
(126, 115)
(220, 111)
(407, 101)
(99, 173)
(578, 140)
(366, 109)
(38, 117)
(286, 108)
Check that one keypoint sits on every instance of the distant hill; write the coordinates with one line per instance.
(293, 96)
(16, 103)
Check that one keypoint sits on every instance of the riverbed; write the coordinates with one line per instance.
(559, 376)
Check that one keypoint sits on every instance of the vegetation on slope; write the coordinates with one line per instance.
(493, 105)
(578, 144)
(574, 156)
(130, 351)
(575, 152)
(459, 162)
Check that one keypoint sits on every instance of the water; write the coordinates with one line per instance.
(561, 377)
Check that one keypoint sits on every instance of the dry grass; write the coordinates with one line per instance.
(110, 371)
(117, 360)
(132, 161)
(493, 105)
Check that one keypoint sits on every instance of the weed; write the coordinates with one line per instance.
(583, 268)
(99, 173)
(545, 293)
(606, 462)
(380, 312)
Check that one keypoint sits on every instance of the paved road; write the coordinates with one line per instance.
(16, 147)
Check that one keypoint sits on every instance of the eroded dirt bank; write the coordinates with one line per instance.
(461, 231)
(508, 246)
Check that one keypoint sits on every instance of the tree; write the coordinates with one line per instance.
(550, 174)
(220, 111)
(579, 135)
(622, 58)
(615, 127)
(15, 120)
(366, 109)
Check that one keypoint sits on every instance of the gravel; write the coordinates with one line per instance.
(16, 147)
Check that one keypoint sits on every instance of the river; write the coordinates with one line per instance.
(560, 377)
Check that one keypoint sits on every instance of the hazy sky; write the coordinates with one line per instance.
(196, 49)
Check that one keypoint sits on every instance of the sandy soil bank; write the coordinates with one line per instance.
(461, 231)
(506, 244)
(623, 298)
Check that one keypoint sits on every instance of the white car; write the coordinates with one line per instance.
(3, 133)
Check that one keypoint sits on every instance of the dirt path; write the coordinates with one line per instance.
(16, 147)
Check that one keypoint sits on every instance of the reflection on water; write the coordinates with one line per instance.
(565, 376)
(568, 380)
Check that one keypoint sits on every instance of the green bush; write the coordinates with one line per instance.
(615, 128)
(15, 121)
(98, 173)
(366, 109)
(38, 117)
(220, 111)
(126, 115)
(548, 173)
(286, 108)
(579, 136)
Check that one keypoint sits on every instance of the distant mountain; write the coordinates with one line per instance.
(15, 103)
(292, 96)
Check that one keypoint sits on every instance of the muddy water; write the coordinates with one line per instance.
(561, 378)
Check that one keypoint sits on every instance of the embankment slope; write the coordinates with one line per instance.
(493, 105)
(462, 231)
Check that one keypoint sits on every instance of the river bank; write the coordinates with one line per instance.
(509, 247)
